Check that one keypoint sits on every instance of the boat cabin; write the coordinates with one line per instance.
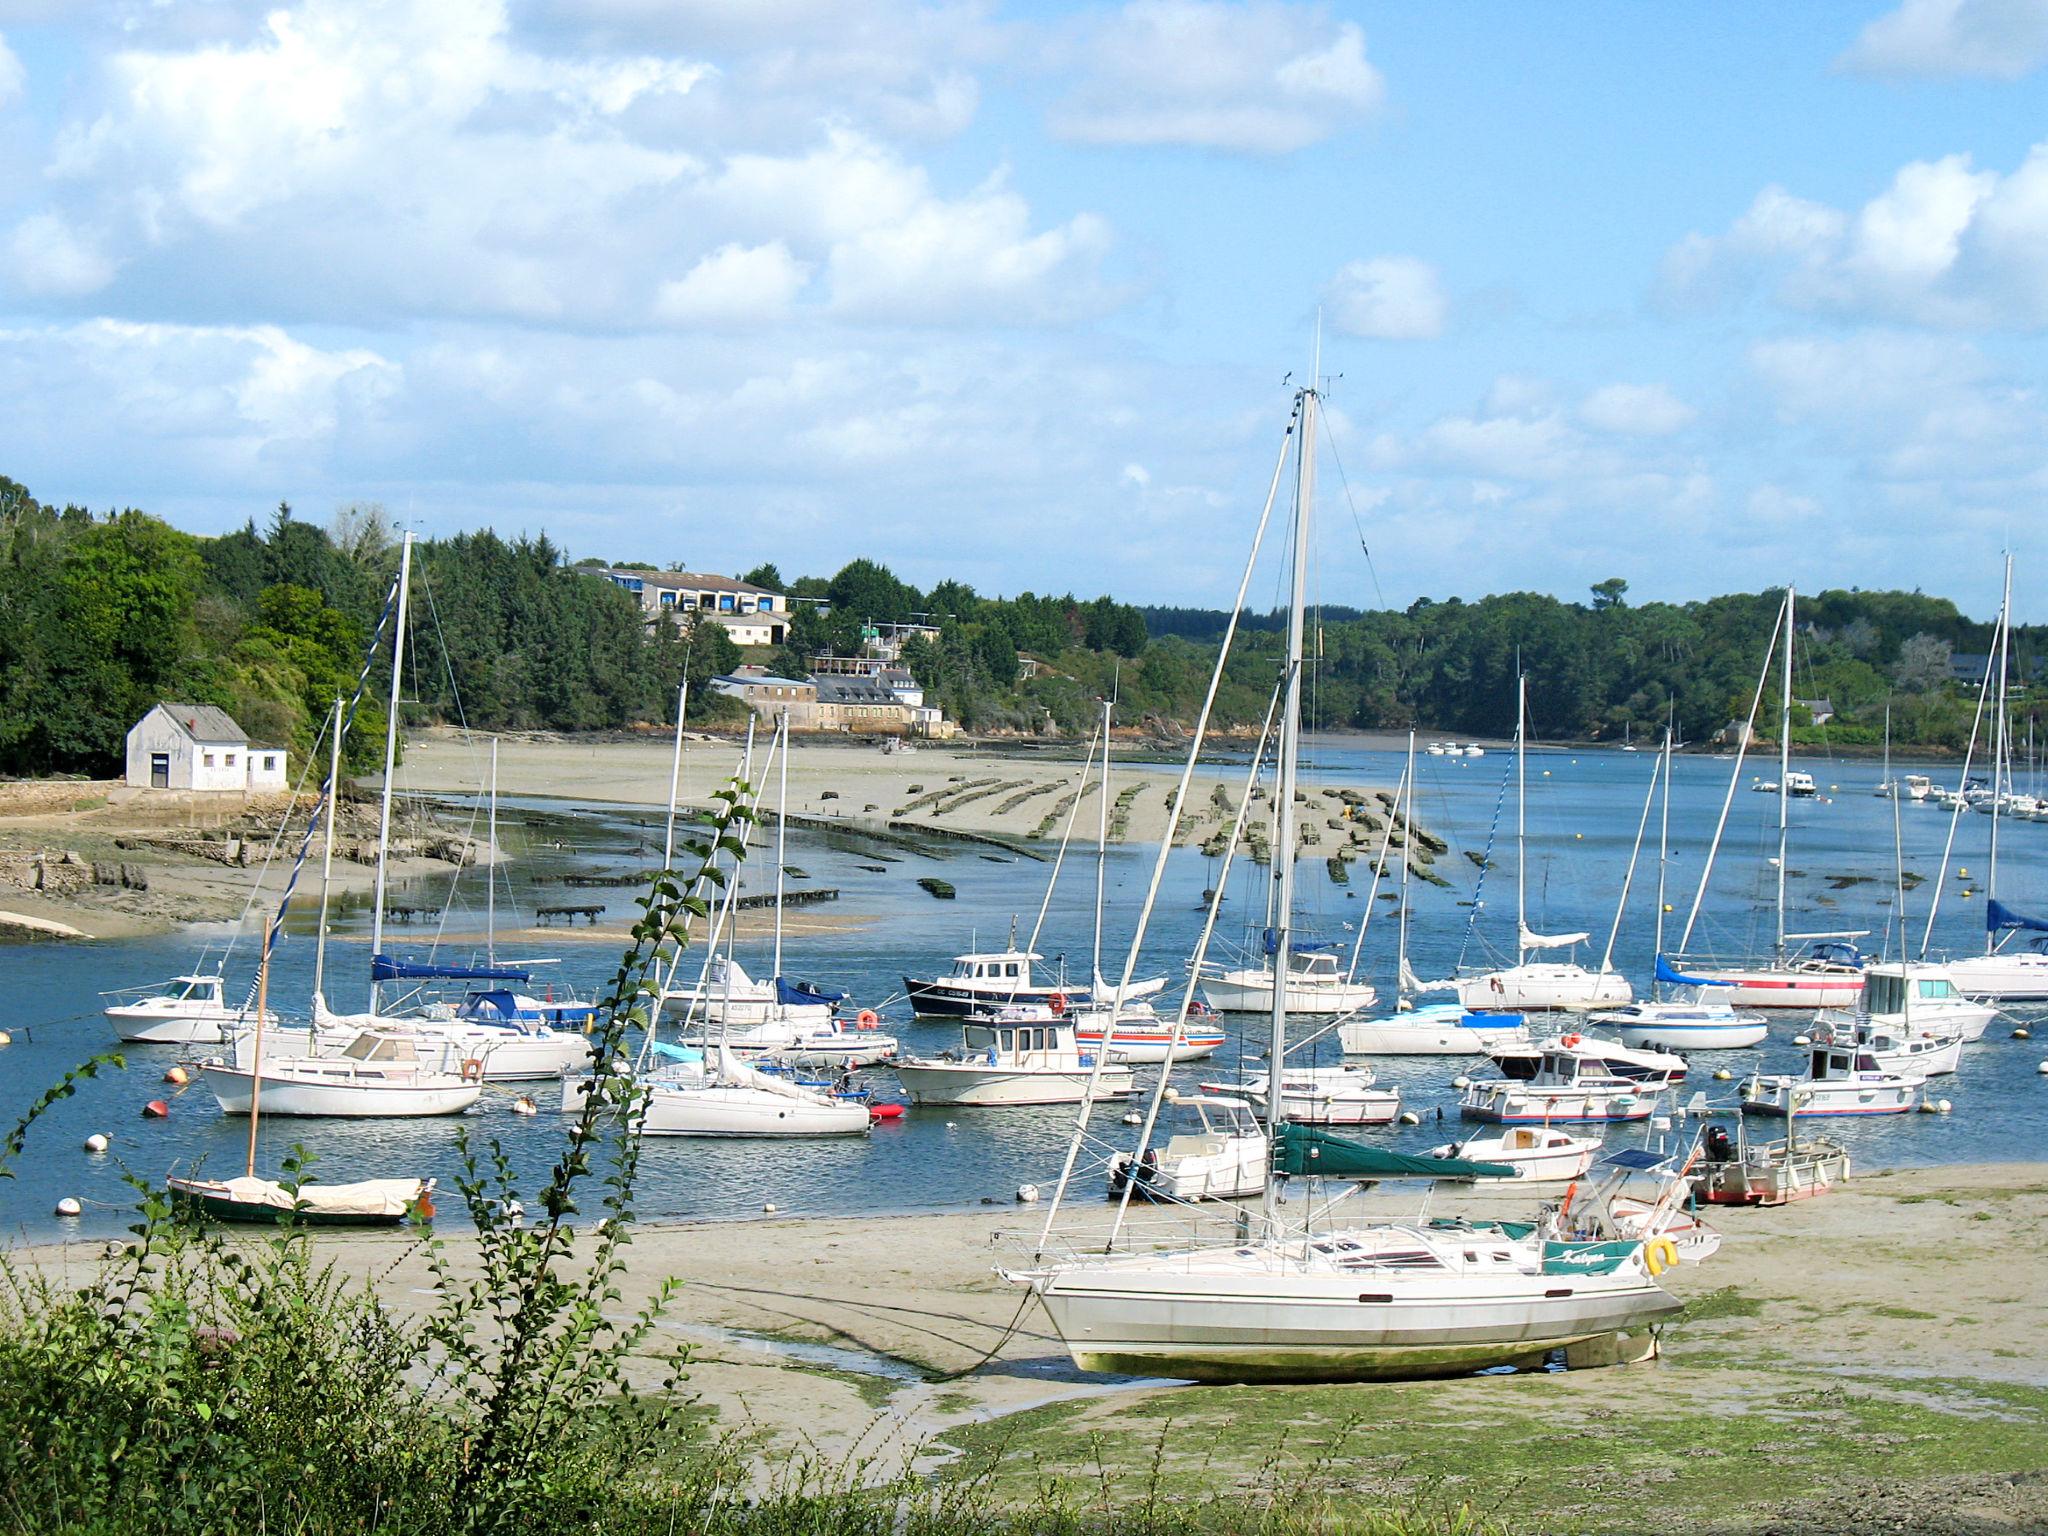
(1842, 1063)
(1894, 988)
(374, 1045)
(1200, 1126)
(1026, 1046)
(1917, 785)
(1797, 783)
(1313, 966)
(189, 989)
(1009, 965)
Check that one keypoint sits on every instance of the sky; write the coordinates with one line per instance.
(1707, 296)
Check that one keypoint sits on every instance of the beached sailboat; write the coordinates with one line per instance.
(1536, 985)
(1337, 1301)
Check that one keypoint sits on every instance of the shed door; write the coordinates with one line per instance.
(159, 770)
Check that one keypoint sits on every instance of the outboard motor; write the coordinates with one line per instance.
(1720, 1145)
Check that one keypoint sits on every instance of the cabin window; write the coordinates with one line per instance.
(1010, 969)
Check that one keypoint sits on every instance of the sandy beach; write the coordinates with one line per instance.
(1905, 1293)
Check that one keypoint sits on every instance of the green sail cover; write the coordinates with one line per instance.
(1307, 1149)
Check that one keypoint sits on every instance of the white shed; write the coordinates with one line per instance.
(195, 746)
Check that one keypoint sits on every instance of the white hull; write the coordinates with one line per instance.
(1515, 1103)
(1537, 1156)
(499, 1054)
(1234, 1169)
(1682, 1027)
(738, 1109)
(825, 1048)
(1783, 987)
(1544, 986)
(974, 1084)
(2017, 977)
(141, 1024)
(1890, 1095)
(335, 1095)
(1440, 1030)
(1252, 992)
(1202, 1316)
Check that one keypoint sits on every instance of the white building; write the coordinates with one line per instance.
(195, 746)
(751, 615)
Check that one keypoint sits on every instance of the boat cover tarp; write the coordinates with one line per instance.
(1675, 978)
(1997, 916)
(384, 968)
(368, 1198)
(683, 1053)
(1297, 946)
(800, 993)
(1309, 1149)
(1530, 940)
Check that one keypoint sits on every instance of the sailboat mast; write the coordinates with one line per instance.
(1289, 767)
(781, 847)
(491, 870)
(2000, 772)
(1407, 860)
(675, 780)
(256, 1051)
(327, 851)
(1663, 857)
(1785, 763)
(1101, 856)
(390, 766)
(1521, 811)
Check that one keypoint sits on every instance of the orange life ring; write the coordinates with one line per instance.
(473, 1070)
(1057, 1003)
(867, 1018)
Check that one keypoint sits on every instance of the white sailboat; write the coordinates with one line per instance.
(1538, 985)
(1827, 970)
(1342, 1301)
(1320, 1095)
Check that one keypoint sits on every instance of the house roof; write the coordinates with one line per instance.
(757, 679)
(691, 581)
(202, 722)
(834, 689)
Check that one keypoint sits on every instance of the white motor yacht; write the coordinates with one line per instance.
(186, 1010)
(1915, 997)
(1655, 1067)
(1215, 1149)
(1565, 1089)
(1007, 1064)
(1538, 1154)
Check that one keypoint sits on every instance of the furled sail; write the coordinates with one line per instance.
(1674, 978)
(384, 968)
(1530, 940)
(1302, 1150)
(1410, 982)
(1998, 916)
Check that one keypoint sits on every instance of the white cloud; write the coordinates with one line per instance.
(1260, 77)
(13, 78)
(735, 285)
(46, 256)
(1138, 475)
(1996, 39)
(1394, 298)
(1944, 244)
(1635, 410)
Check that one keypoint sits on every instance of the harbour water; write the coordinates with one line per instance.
(1583, 814)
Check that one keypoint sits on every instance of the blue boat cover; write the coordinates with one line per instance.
(688, 1053)
(1998, 915)
(796, 992)
(1299, 946)
(384, 968)
(1672, 978)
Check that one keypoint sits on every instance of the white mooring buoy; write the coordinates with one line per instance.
(96, 1142)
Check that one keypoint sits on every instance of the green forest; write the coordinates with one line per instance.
(103, 614)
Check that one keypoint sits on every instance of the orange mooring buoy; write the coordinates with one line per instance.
(156, 1109)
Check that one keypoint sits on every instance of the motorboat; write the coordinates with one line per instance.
(995, 979)
(1320, 1095)
(1215, 1149)
(1143, 1036)
(1316, 986)
(1737, 1171)
(1007, 1064)
(1839, 1080)
(1919, 1053)
(1520, 1062)
(1538, 1154)
(1564, 1089)
(1910, 786)
(1799, 785)
(380, 1074)
(1915, 997)
(1433, 1029)
(186, 1010)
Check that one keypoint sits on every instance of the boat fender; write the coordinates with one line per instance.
(473, 1070)
(1057, 1003)
(1569, 1039)
(1659, 1254)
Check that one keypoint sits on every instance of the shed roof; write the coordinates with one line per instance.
(202, 722)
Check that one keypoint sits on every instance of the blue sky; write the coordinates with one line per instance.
(1707, 297)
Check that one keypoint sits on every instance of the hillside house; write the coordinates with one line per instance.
(751, 615)
(195, 746)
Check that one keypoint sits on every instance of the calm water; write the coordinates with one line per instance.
(1582, 819)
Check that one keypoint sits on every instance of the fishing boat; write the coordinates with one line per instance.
(379, 1075)
(1737, 1171)
(1009, 1064)
(1915, 1054)
(1331, 1300)
(1804, 970)
(186, 1010)
(1521, 1063)
(1564, 1089)
(1536, 985)
(1839, 1080)
(1537, 1154)
(1215, 1150)
(1316, 986)
(1320, 1095)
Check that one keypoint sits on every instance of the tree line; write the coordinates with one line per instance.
(101, 616)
